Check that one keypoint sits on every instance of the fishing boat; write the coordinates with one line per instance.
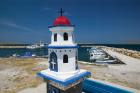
(25, 55)
(97, 54)
(37, 45)
(15, 55)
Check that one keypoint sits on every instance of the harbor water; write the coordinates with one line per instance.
(83, 54)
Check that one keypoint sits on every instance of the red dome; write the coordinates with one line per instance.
(61, 20)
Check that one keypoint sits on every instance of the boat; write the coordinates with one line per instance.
(32, 46)
(106, 61)
(97, 54)
(15, 55)
(36, 46)
(25, 55)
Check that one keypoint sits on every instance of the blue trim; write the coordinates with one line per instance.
(60, 47)
(67, 81)
(91, 86)
(61, 26)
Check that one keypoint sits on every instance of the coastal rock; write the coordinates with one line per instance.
(132, 53)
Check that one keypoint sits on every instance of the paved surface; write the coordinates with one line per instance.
(132, 64)
(39, 89)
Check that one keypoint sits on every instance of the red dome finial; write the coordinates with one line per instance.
(61, 20)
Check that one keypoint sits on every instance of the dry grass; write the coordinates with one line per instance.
(27, 78)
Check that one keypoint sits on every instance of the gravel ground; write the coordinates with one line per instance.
(39, 89)
(17, 74)
(20, 74)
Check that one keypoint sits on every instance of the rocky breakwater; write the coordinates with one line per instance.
(132, 53)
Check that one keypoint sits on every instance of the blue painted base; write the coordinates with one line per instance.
(68, 81)
(61, 47)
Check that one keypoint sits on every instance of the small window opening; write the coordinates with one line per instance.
(65, 36)
(65, 59)
(55, 37)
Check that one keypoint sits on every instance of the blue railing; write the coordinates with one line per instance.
(93, 86)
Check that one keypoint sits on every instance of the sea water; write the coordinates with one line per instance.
(83, 54)
(7, 52)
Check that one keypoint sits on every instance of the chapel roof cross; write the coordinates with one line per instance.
(61, 12)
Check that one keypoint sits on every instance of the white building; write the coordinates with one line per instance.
(63, 74)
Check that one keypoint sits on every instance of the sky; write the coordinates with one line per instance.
(96, 21)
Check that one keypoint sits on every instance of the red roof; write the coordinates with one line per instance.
(61, 20)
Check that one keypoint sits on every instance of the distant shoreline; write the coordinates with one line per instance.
(12, 46)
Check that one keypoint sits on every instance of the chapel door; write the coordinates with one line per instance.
(53, 62)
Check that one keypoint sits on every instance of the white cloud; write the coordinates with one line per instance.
(14, 25)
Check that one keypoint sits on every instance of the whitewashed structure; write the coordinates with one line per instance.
(63, 74)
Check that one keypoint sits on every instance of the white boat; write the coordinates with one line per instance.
(35, 46)
(97, 54)
(25, 55)
(106, 61)
(15, 55)
(32, 46)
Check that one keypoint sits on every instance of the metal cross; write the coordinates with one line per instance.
(53, 63)
(61, 11)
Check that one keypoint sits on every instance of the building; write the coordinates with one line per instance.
(63, 74)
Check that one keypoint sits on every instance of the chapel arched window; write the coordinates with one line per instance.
(65, 36)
